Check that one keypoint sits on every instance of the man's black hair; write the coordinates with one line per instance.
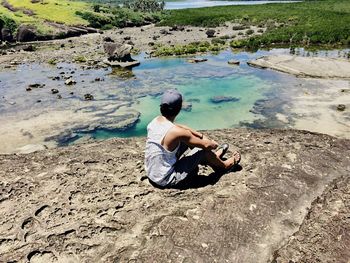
(168, 111)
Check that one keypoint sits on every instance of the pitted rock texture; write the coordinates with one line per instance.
(90, 202)
(324, 235)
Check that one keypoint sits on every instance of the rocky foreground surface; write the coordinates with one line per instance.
(290, 202)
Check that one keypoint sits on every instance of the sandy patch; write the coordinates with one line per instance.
(316, 109)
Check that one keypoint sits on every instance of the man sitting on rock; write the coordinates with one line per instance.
(165, 162)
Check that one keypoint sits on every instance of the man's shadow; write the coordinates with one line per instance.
(195, 180)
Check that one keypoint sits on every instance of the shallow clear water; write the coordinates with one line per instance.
(171, 5)
(198, 82)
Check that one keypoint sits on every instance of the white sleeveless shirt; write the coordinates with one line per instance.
(159, 162)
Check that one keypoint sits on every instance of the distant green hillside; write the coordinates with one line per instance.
(40, 13)
(48, 15)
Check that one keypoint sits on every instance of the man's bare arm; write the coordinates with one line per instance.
(193, 141)
(194, 132)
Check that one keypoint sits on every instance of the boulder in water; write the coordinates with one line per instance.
(119, 55)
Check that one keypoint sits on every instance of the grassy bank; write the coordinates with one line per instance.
(41, 13)
(308, 23)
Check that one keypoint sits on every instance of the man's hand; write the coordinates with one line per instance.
(212, 145)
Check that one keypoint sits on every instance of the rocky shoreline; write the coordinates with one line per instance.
(90, 46)
(91, 203)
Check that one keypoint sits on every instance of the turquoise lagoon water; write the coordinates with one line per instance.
(202, 81)
(199, 83)
(261, 93)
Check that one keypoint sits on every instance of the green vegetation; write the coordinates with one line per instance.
(62, 11)
(41, 13)
(119, 17)
(192, 48)
(307, 23)
(144, 5)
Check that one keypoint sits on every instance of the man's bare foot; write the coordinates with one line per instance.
(233, 160)
(221, 150)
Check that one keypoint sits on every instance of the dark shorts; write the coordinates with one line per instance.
(187, 164)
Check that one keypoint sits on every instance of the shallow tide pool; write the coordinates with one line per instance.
(123, 105)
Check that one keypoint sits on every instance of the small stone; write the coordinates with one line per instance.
(341, 107)
(54, 91)
(197, 60)
(70, 81)
(36, 85)
(88, 97)
(29, 48)
(163, 31)
(59, 96)
(108, 39)
(233, 62)
(210, 33)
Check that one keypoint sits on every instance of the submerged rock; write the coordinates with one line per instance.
(197, 60)
(186, 106)
(220, 99)
(233, 62)
(123, 73)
